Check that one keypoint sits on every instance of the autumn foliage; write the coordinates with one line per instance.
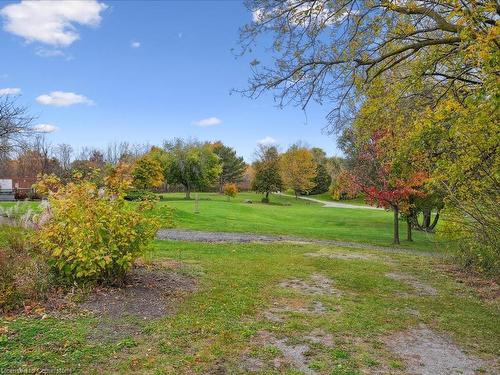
(90, 234)
(298, 169)
(230, 190)
(382, 182)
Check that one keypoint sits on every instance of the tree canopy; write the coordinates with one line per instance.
(192, 164)
(327, 50)
(147, 173)
(413, 88)
(298, 169)
(233, 166)
(15, 124)
(267, 178)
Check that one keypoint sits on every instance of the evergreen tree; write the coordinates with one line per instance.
(233, 167)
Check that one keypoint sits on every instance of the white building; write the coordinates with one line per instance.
(6, 190)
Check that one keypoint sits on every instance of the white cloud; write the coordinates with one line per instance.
(10, 91)
(51, 21)
(210, 121)
(135, 44)
(45, 128)
(267, 141)
(44, 52)
(62, 99)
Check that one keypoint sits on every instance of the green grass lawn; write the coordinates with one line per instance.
(285, 216)
(328, 198)
(219, 324)
(290, 216)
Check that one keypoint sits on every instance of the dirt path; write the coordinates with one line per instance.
(334, 204)
(233, 237)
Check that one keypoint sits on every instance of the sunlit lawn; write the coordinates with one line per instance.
(284, 216)
(222, 319)
(289, 216)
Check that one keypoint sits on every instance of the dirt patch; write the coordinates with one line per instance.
(279, 309)
(318, 336)
(219, 368)
(149, 293)
(427, 353)
(318, 284)
(343, 256)
(252, 364)
(422, 288)
(292, 354)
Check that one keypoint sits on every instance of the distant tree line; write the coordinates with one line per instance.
(190, 164)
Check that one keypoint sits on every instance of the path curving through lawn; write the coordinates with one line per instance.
(333, 204)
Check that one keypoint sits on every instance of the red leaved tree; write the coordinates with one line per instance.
(385, 185)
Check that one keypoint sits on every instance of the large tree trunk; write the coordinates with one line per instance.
(408, 230)
(434, 223)
(396, 225)
(221, 186)
(267, 195)
(427, 219)
(188, 192)
(426, 226)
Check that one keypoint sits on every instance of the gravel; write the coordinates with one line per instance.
(426, 352)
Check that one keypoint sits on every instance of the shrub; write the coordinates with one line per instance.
(230, 190)
(90, 234)
(474, 249)
(24, 273)
(20, 195)
(140, 195)
(265, 200)
(34, 196)
(47, 183)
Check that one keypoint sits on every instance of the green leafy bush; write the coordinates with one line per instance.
(91, 234)
(140, 195)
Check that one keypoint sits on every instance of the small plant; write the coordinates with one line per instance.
(12, 212)
(230, 190)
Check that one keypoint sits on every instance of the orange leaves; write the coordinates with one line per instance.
(230, 190)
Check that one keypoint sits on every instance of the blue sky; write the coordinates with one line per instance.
(143, 72)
